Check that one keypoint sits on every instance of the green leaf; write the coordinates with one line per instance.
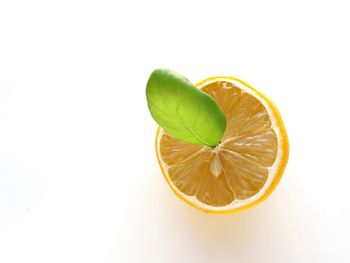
(184, 111)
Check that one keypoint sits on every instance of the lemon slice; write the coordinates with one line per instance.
(247, 164)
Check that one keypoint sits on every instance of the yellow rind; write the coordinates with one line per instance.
(279, 170)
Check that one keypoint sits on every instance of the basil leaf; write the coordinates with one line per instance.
(184, 111)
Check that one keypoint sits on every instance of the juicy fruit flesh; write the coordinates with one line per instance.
(238, 167)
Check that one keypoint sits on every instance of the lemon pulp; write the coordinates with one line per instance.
(242, 167)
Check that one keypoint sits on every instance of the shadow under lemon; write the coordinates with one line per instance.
(232, 232)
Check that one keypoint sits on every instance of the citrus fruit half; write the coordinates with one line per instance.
(244, 168)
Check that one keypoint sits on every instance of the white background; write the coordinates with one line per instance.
(79, 181)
